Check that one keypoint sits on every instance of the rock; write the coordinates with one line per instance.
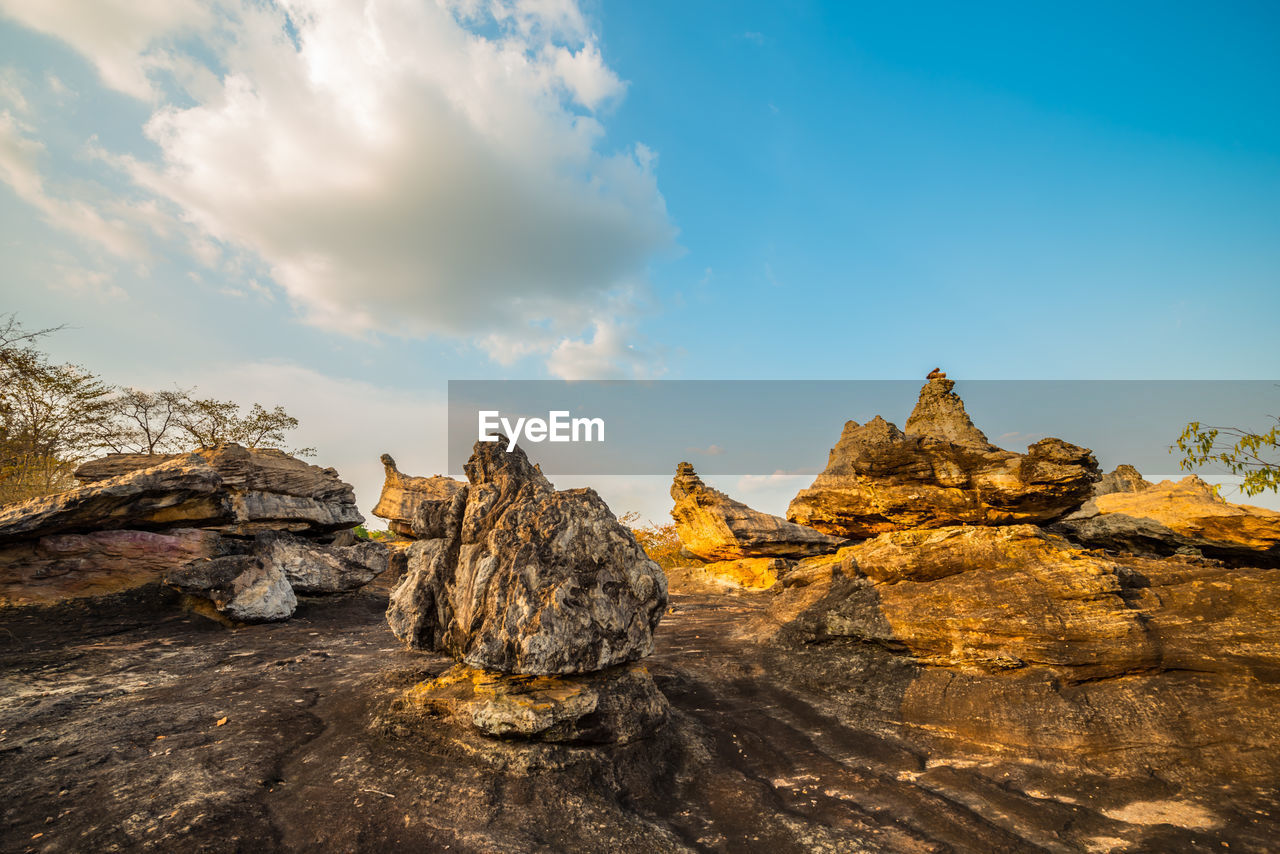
(618, 705)
(1170, 517)
(940, 414)
(880, 479)
(60, 567)
(528, 579)
(414, 506)
(114, 465)
(714, 527)
(989, 598)
(314, 569)
(243, 588)
(229, 489)
(1125, 478)
(753, 573)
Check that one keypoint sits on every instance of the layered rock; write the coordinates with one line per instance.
(230, 489)
(714, 527)
(229, 524)
(751, 573)
(942, 472)
(414, 506)
(984, 597)
(527, 580)
(1186, 516)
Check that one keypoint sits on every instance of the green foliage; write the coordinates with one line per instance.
(54, 417)
(1256, 456)
(660, 542)
(365, 534)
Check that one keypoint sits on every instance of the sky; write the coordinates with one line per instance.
(339, 206)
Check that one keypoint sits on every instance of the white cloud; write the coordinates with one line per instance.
(119, 37)
(82, 282)
(610, 354)
(389, 166)
(11, 90)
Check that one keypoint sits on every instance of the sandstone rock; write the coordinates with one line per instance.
(243, 588)
(114, 465)
(1125, 478)
(56, 568)
(880, 479)
(989, 598)
(753, 573)
(527, 579)
(1181, 516)
(229, 489)
(414, 506)
(714, 527)
(619, 705)
(315, 569)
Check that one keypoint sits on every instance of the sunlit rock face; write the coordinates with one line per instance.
(414, 507)
(1171, 517)
(941, 471)
(714, 527)
(528, 579)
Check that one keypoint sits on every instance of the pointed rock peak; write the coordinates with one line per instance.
(940, 414)
(491, 462)
(686, 482)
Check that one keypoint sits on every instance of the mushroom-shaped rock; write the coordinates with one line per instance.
(414, 506)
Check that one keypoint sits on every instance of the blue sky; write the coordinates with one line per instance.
(340, 206)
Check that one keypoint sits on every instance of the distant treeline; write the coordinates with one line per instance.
(55, 416)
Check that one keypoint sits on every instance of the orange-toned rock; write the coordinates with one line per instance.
(753, 573)
(714, 527)
(940, 472)
(1186, 515)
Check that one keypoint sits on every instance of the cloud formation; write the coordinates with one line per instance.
(405, 167)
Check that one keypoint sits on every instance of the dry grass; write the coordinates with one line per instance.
(660, 542)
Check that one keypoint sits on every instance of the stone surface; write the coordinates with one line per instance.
(243, 588)
(985, 597)
(714, 527)
(69, 566)
(114, 465)
(414, 506)
(1125, 478)
(528, 579)
(752, 573)
(880, 479)
(1184, 516)
(619, 705)
(315, 569)
(229, 489)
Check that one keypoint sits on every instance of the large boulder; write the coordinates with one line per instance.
(241, 588)
(940, 472)
(1186, 516)
(414, 506)
(714, 527)
(229, 489)
(528, 579)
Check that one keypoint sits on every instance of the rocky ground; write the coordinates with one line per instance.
(184, 735)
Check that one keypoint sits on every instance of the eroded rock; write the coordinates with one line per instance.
(715, 527)
(528, 579)
(618, 705)
(243, 588)
(414, 506)
(1176, 517)
(942, 472)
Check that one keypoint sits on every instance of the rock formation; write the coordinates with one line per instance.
(714, 527)
(244, 529)
(942, 471)
(529, 581)
(1183, 517)
(414, 506)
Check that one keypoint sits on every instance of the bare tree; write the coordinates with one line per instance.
(148, 422)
